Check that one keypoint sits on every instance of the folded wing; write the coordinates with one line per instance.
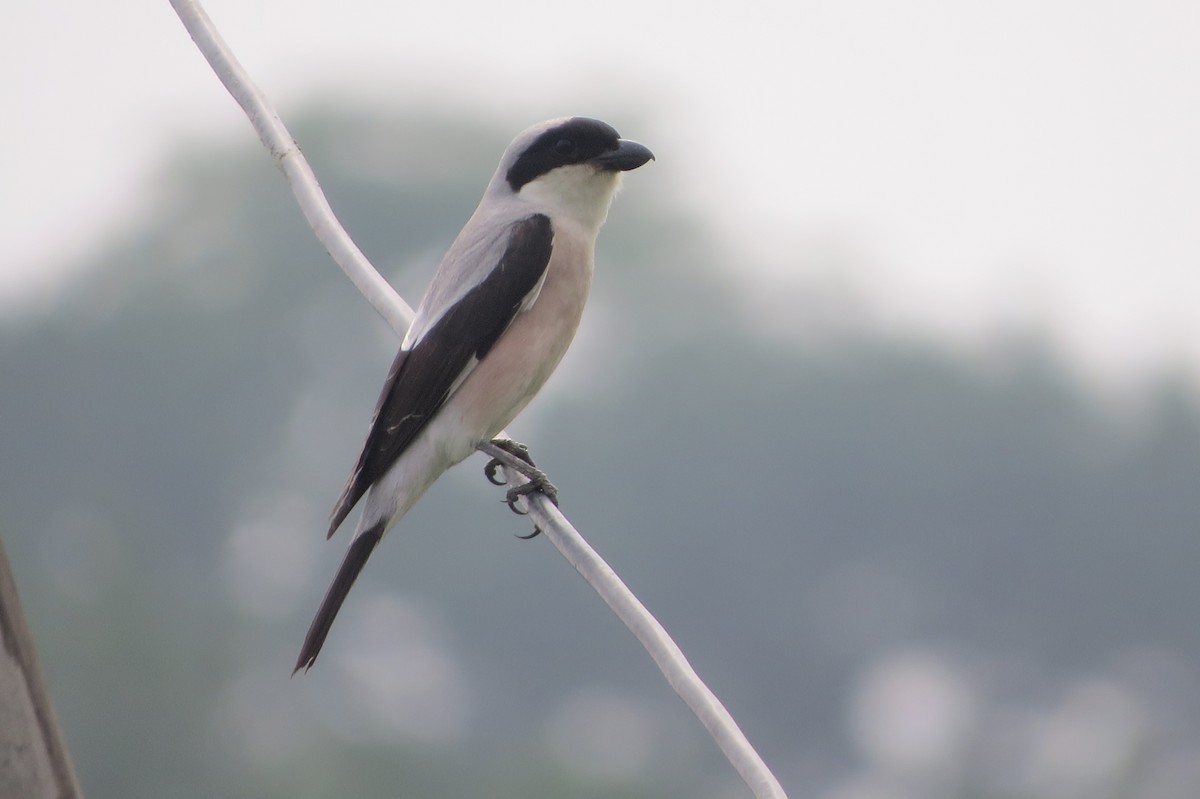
(423, 377)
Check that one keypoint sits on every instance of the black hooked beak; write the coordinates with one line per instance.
(628, 155)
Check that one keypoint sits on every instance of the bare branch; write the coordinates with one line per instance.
(275, 137)
(565, 537)
(669, 657)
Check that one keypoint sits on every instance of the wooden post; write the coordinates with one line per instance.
(34, 763)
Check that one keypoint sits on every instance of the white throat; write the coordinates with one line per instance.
(579, 192)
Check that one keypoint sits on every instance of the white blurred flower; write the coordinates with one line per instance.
(394, 675)
(1088, 741)
(601, 733)
(912, 714)
(267, 561)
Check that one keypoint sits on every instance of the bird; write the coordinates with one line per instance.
(495, 321)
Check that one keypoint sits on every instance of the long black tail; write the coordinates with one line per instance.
(352, 564)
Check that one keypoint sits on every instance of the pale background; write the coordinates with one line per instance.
(885, 402)
(997, 164)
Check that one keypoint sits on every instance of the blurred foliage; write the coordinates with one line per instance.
(796, 513)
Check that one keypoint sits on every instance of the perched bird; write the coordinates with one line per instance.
(493, 324)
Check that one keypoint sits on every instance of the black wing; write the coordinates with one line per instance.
(420, 379)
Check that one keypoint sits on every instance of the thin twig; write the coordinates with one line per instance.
(671, 661)
(562, 534)
(275, 137)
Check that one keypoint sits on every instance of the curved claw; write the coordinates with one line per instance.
(490, 470)
(511, 500)
(537, 479)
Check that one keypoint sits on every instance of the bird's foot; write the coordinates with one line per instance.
(508, 453)
(505, 452)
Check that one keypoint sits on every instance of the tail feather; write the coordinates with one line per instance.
(356, 557)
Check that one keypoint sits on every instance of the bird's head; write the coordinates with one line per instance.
(568, 167)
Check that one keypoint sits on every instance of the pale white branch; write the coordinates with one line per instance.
(275, 137)
(662, 648)
(543, 513)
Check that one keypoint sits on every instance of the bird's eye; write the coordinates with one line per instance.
(565, 147)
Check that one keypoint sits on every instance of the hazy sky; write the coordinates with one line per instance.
(983, 166)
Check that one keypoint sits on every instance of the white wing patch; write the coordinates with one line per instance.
(525, 305)
(462, 376)
(534, 293)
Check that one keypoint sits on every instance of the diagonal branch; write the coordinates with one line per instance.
(670, 659)
(275, 137)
